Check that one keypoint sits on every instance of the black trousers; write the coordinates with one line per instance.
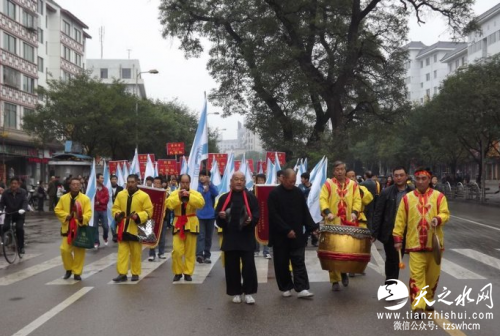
(19, 220)
(282, 256)
(392, 259)
(238, 264)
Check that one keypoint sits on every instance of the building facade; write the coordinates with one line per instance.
(39, 41)
(246, 141)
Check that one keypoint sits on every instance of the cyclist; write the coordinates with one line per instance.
(15, 203)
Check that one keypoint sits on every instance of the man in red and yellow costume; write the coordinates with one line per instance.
(340, 203)
(420, 213)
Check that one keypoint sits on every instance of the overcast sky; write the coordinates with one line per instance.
(134, 25)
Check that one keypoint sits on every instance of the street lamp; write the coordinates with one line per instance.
(154, 72)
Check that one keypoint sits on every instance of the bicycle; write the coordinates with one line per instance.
(9, 241)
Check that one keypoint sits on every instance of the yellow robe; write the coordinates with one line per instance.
(366, 199)
(73, 257)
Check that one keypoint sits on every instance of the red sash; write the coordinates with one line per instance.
(121, 227)
(245, 199)
(182, 221)
(72, 226)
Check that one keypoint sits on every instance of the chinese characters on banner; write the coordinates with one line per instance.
(281, 157)
(221, 161)
(114, 164)
(167, 167)
(143, 160)
(175, 148)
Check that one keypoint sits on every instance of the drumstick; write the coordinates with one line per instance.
(401, 263)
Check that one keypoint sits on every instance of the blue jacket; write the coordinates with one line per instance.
(207, 212)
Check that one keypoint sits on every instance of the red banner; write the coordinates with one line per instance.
(221, 161)
(175, 148)
(262, 227)
(158, 199)
(167, 167)
(250, 164)
(114, 164)
(143, 160)
(281, 157)
(237, 164)
(263, 164)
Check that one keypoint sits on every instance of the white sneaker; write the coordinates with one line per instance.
(305, 294)
(287, 294)
(237, 299)
(96, 246)
(105, 243)
(249, 299)
(151, 258)
(267, 256)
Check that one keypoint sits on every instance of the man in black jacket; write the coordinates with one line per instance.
(374, 188)
(15, 203)
(237, 214)
(384, 218)
(288, 215)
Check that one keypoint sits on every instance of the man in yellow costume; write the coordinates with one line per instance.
(421, 212)
(67, 213)
(132, 207)
(340, 203)
(184, 202)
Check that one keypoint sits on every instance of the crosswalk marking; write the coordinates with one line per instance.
(27, 256)
(313, 266)
(458, 271)
(147, 268)
(262, 266)
(201, 271)
(89, 270)
(30, 271)
(481, 257)
(379, 265)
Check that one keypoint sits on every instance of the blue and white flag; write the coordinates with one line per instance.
(228, 173)
(315, 169)
(271, 172)
(304, 165)
(215, 174)
(247, 172)
(156, 169)
(135, 167)
(184, 166)
(199, 150)
(299, 173)
(126, 172)
(296, 167)
(261, 170)
(91, 190)
(150, 170)
(317, 184)
(119, 175)
(107, 184)
(277, 165)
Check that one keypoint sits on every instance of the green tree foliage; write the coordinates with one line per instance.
(102, 118)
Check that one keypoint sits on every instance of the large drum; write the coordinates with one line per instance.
(344, 249)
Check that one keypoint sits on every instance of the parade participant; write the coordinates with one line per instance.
(157, 184)
(15, 203)
(73, 257)
(101, 210)
(288, 216)
(260, 179)
(115, 189)
(237, 215)
(206, 217)
(340, 204)
(279, 176)
(149, 181)
(52, 192)
(184, 202)
(305, 186)
(373, 187)
(131, 208)
(421, 213)
(384, 218)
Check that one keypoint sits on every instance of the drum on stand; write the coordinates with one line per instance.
(344, 249)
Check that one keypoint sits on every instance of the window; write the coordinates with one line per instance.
(427, 61)
(66, 28)
(126, 73)
(421, 85)
(10, 115)
(78, 36)
(421, 100)
(28, 20)
(27, 112)
(428, 92)
(421, 64)
(29, 53)
(10, 9)
(40, 35)
(65, 76)
(9, 43)
(40, 64)
(435, 90)
(78, 60)
(67, 53)
(40, 7)
(28, 84)
(457, 64)
(435, 73)
(435, 58)
(428, 77)
(11, 77)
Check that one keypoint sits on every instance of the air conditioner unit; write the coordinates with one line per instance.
(31, 29)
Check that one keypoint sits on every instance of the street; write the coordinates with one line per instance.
(35, 300)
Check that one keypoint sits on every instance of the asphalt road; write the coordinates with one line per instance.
(34, 300)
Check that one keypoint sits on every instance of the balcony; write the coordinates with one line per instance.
(28, 4)
(70, 43)
(70, 67)
(18, 30)
(18, 63)
(17, 97)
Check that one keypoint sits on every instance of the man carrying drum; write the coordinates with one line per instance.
(340, 203)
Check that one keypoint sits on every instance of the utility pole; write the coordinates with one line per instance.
(101, 39)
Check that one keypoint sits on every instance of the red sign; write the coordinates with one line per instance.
(262, 164)
(237, 164)
(158, 199)
(167, 167)
(221, 161)
(38, 160)
(113, 165)
(281, 157)
(262, 227)
(250, 164)
(143, 160)
(175, 148)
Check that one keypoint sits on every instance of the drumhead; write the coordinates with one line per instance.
(355, 231)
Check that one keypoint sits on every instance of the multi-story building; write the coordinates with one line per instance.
(39, 41)
(128, 71)
(247, 141)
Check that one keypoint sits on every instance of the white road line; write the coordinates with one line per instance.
(89, 270)
(313, 266)
(477, 223)
(458, 271)
(481, 257)
(53, 312)
(201, 271)
(147, 268)
(378, 259)
(376, 268)
(262, 266)
(30, 271)
(27, 256)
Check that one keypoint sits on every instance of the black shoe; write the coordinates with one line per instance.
(21, 250)
(77, 277)
(115, 239)
(200, 260)
(67, 275)
(345, 279)
(207, 261)
(120, 278)
(187, 277)
(134, 277)
(177, 277)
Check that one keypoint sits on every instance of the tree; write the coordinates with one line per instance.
(301, 68)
